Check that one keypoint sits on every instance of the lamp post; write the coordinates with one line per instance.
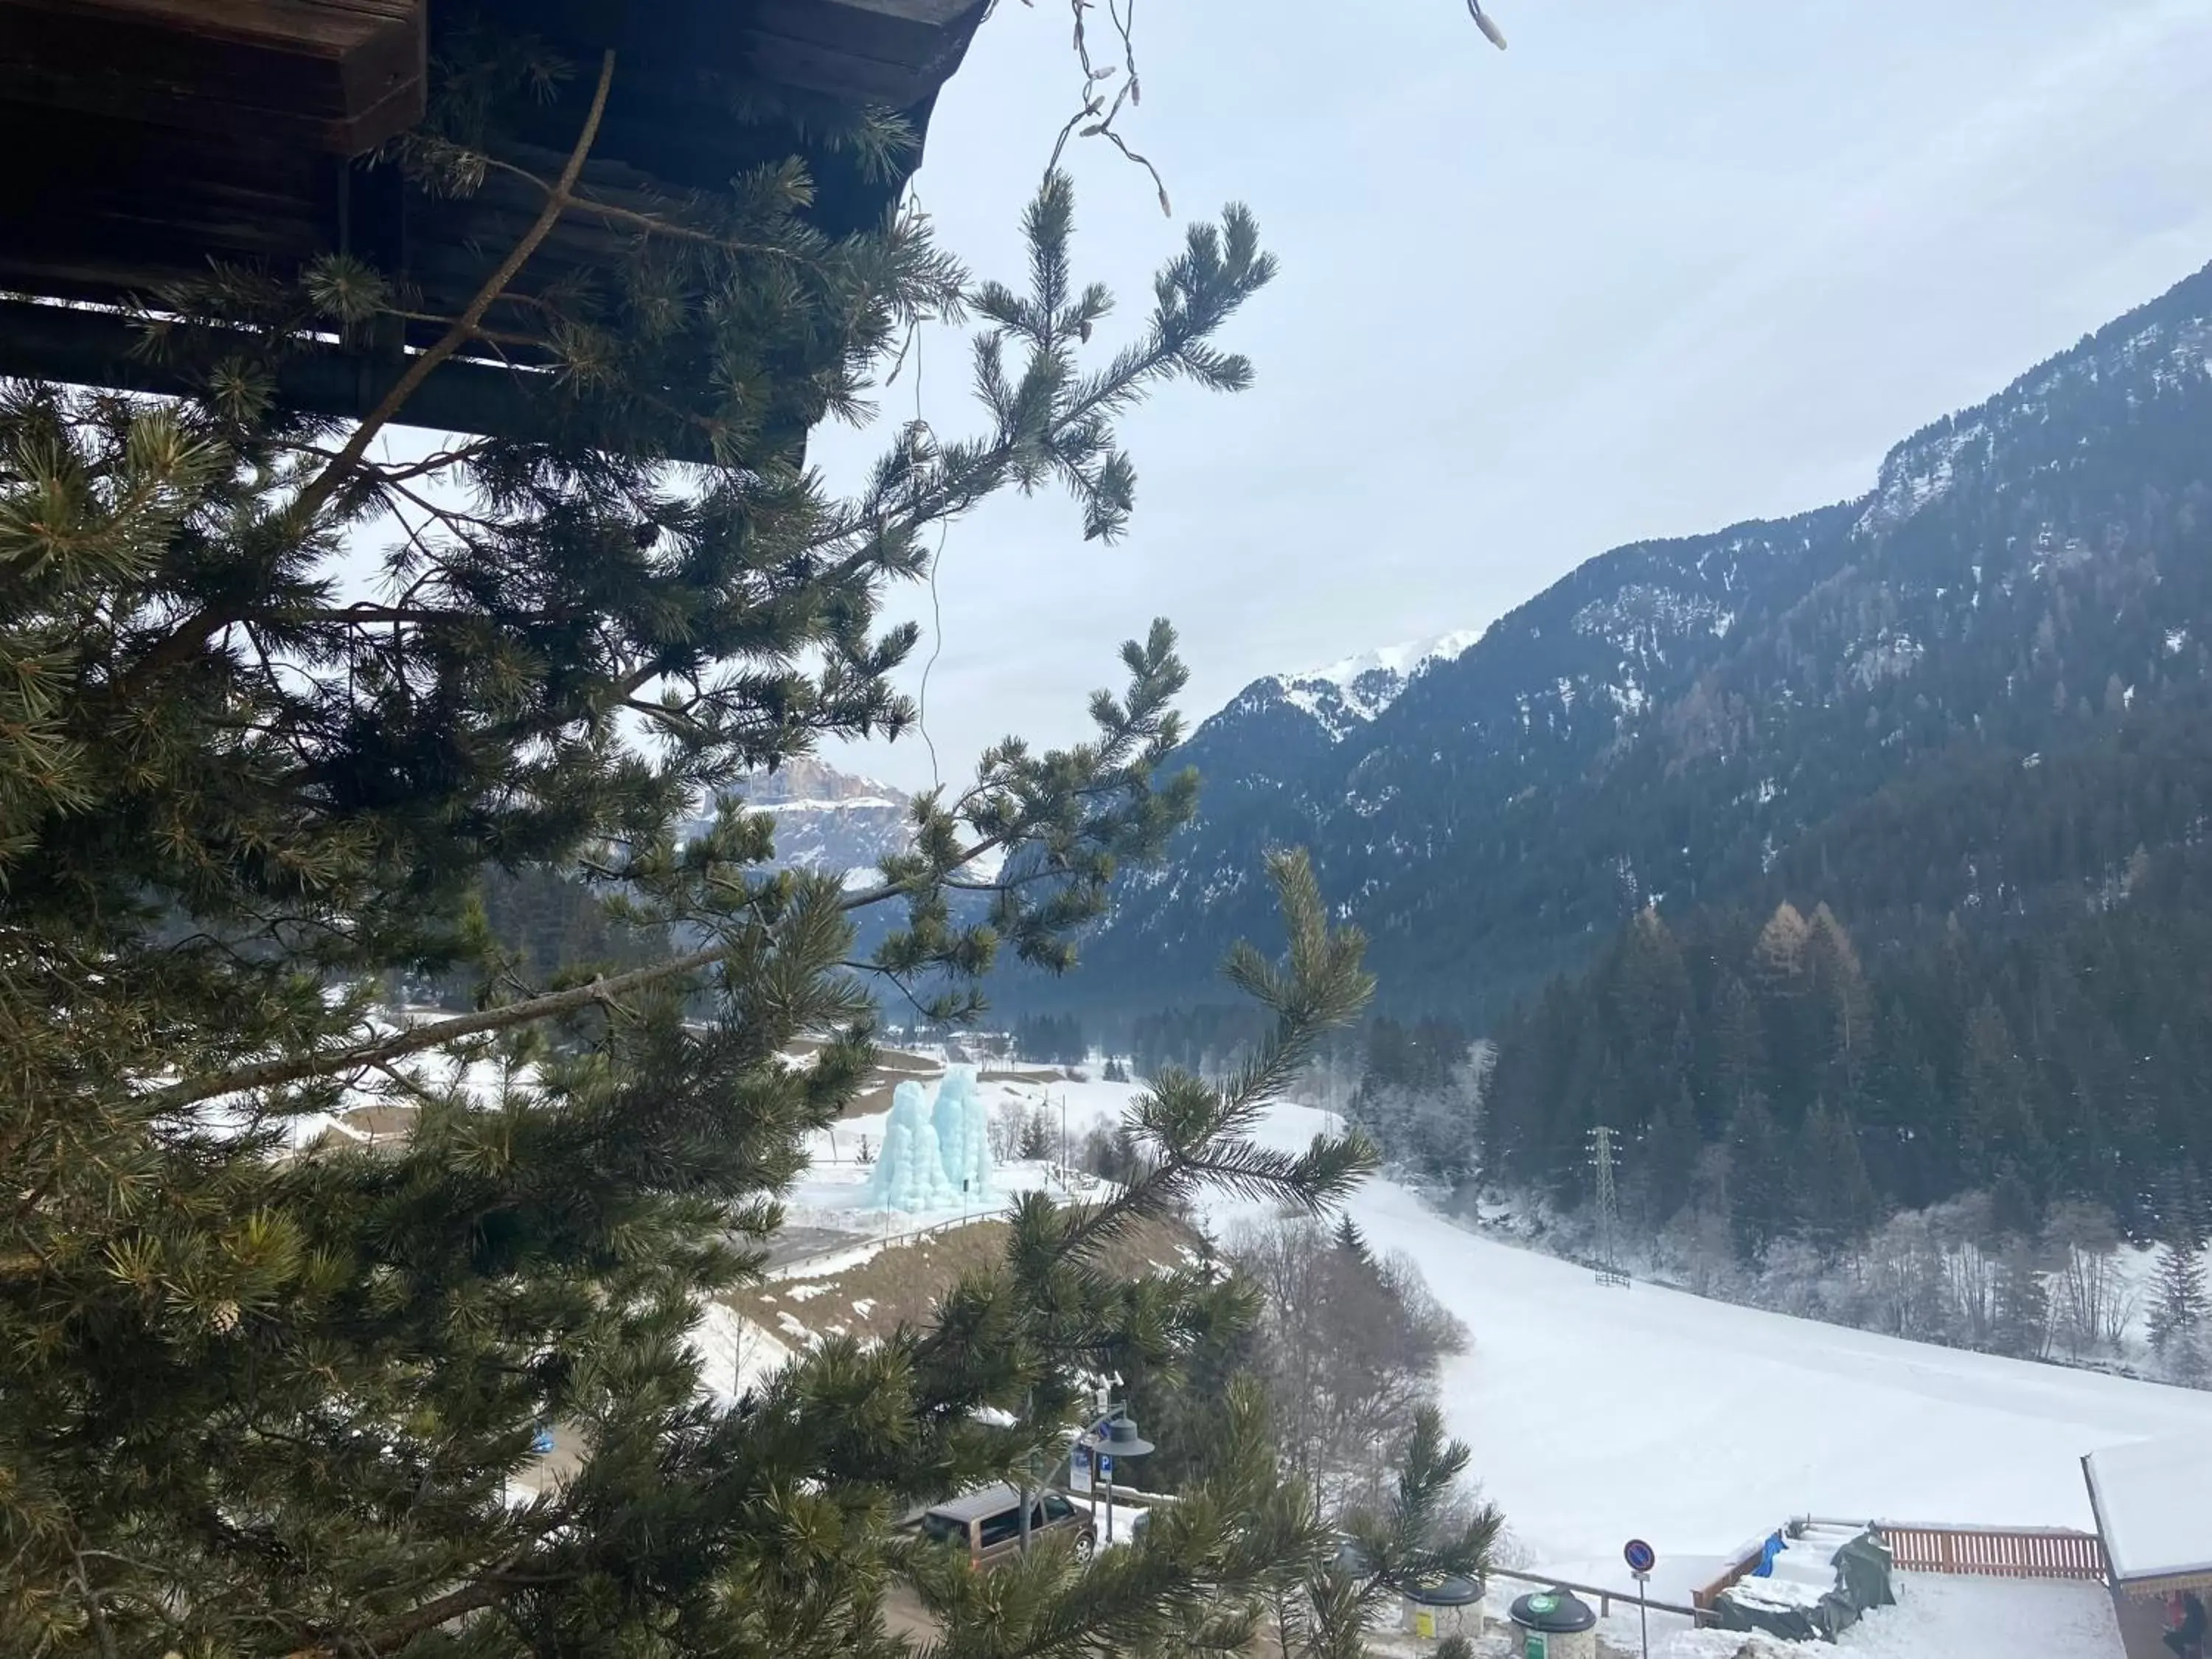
(1120, 1441)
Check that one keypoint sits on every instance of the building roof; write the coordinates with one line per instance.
(2151, 1502)
(148, 138)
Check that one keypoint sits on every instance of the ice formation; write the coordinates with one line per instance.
(964, 1139)
(934, 1159)
(909, 1174)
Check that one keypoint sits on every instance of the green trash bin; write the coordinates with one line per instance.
(1554, 1624)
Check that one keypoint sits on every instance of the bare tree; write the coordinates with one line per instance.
(2087, 1287)
(1350, 1342)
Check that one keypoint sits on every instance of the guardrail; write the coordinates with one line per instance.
(1604, 1595)
(793, 1268)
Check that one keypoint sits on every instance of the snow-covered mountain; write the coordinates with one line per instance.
(1345, 696)
(1266, 758)
(1674, 717)
(826, 819)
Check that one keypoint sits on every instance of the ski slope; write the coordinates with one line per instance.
(1597, 1415)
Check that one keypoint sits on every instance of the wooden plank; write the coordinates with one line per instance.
(342, 76)
(873, 52)
(895, 51)
(310, 27)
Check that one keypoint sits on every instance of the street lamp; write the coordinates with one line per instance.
(1120, 1440)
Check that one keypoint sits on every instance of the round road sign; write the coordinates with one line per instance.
(1640, 1556)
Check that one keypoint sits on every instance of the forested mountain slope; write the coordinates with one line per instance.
(1842, 705)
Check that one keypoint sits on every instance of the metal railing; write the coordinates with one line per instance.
(1604, 1595)
(871, 1242)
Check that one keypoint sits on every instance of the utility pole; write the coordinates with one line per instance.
(1609, 1270)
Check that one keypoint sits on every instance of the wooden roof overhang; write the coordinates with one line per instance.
(148, 138)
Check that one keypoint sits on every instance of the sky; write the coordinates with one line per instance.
(1658, 268)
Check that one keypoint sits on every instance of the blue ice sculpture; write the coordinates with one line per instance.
(963, 1134)
(909, 1175)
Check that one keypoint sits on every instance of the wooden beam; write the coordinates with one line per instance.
(80, 346)
(897, 52)
(339, 75)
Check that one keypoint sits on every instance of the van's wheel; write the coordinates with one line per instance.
(1085, 1547)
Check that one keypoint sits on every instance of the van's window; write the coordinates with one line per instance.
(943, 1529)
(1057, 1508)
(998, 1529)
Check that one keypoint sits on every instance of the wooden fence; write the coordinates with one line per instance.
(2016, 1552)
(1705, 1597)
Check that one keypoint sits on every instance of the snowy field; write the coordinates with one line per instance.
(1599, 1414)
(1596, 1415)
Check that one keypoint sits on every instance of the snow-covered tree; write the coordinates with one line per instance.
(2176, 1319)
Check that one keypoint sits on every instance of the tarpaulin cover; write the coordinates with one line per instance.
(1863, 1571)
(1800, 1612)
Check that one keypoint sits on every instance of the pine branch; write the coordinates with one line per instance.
(530, 1011)
(1196, 1130)
(193, 634)
(319, 489)
(649, 224)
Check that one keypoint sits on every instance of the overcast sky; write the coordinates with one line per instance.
(1660, 267)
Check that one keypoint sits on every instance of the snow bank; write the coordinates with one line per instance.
(1939, 1618)
(734, 1354)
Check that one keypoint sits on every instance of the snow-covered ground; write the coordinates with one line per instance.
(831, 1197)
(1944, 1618)
(1596, 1415)
(1599, 1414)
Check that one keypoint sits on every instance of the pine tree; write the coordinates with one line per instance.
(1998, 1125)
(1651, 992)
(1761, 1186)
(1325, 1607)
(1836, 1201)
(2176, 1316)
(1671, 1146)
(1840, 986)
(1740, 1046)
(2023, 1303)
(265, 1399)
